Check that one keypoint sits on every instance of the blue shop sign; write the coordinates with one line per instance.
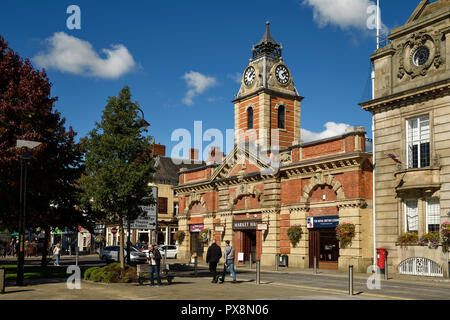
(322, 222)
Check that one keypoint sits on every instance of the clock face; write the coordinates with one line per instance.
(421, 56)
(282, 74)
(249, 76)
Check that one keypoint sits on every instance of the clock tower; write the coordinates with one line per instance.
(267, 107)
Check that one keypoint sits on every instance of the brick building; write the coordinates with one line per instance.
(272, 181)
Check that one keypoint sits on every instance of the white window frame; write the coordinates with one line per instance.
(418, 142)
(405, 208)
(428, 212)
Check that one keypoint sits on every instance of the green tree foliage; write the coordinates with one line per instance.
(27, 113)
(118, 164)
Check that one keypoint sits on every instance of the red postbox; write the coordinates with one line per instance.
(381, 257)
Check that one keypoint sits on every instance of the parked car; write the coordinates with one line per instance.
(172, 250)
(111, 253)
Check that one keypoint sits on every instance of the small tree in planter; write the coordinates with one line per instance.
(445, 234)
(294, 233)
(345, 234)
(179, 236)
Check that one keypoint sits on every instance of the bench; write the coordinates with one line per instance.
(145, 268)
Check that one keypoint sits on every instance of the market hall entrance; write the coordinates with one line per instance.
(249, 245)
(324, 245)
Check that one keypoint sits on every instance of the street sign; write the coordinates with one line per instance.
(261, 226)
(219, 228)
(149, 219)
(114, 230)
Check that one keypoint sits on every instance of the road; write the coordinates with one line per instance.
(323, 285)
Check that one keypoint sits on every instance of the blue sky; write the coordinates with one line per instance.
(158, 48)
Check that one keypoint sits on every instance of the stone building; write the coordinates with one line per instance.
(411, 110)
(272, 181)
(165, 177)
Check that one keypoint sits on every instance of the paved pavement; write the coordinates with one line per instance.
(285, 284)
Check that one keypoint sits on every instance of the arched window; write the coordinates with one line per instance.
(281, 117)
(250, 118)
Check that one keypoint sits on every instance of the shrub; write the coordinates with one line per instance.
(408, 239)
(88, 272)
(96, 275)
(294, 233)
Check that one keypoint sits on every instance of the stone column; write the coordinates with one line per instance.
(350, 212)
(271, 237)
(184, 247)
(299, 254)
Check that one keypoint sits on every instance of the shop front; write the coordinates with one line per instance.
(323, 243)
(246, 239)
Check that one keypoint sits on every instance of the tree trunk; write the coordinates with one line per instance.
(45, 249)
(121, 255)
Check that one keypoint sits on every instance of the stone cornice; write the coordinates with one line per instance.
(352, 203)
(408, 97)
(330, 165)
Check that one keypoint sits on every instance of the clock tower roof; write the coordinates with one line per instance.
(267, 46)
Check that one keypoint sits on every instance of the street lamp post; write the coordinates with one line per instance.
(24, 157)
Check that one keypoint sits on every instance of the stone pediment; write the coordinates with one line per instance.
(241, 162)
(426, 8)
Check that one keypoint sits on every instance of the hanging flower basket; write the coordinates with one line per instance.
(179, 236)
(204, 235)
(294, 233)
(345, 234)
(445, 235)
(99, 238)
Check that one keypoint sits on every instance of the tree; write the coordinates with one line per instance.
(27, 113)
(118, 164)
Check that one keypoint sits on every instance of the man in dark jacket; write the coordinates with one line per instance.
(212, 257)
(154, 260)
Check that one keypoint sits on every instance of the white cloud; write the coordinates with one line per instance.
(198, 84)
(236, 77)
(344, 13)
(332, 129)
(70, 54)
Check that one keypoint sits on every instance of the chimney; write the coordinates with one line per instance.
(215, 156)
(193, 154)
(159, 150)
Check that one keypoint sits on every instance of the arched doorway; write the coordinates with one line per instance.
(323, 218)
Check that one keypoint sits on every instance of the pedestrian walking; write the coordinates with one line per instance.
(212, 258)
(155, 262)
(228, 256)
(57, 253)
(12, 245)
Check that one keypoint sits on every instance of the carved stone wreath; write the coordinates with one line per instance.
(193, 199)
(244, 190)
(409, 48)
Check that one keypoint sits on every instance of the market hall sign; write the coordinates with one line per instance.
(322, 222)
(245, 224)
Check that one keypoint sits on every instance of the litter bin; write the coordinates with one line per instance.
(283, 261)
(2, 280)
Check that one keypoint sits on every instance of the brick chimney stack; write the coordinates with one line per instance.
(193, 154)
(215, 156)
(159, 150)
